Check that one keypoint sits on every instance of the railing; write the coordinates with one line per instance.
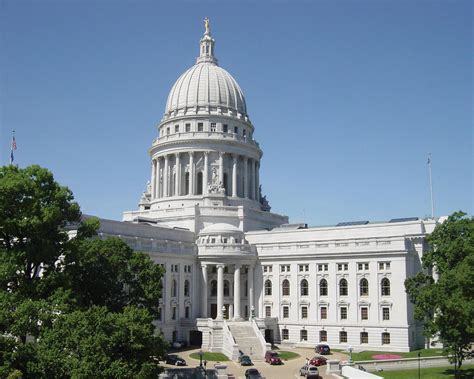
(265, 346)
(229, 346)
(207, 135)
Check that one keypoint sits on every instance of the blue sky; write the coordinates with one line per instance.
(347, 97)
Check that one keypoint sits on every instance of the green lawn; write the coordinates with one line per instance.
(367, 355)
(206, 356)
(429, 373)
(287, 355)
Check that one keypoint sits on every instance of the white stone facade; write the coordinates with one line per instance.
(227, 257)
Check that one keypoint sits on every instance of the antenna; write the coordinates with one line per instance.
(431, 186)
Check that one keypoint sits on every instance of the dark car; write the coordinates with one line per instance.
(173, 359)
(252, 373)
(272, 358)
(317, 360)
(322, 349)
(245, 360)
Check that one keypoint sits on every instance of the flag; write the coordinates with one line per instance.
(13, 148)
(429, 159)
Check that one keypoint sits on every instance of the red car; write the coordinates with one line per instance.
(317, 361)
(272, 358)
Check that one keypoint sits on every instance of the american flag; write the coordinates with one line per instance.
(12, 158)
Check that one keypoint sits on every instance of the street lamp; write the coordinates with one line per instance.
(350, 352)
(419, 369)
(200, 358)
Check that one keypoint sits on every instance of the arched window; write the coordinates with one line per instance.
(199, 183)
(174, 288)
(268, 287)
(186, 288)
(343, 290)
(323, 287)
(304, 288)
(214, 288)
(285, 288)
(385, 284)
(226, 288)
(364, 287)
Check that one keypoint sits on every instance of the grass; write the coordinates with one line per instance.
(467, 372)
(206, 356)
(287, 355)
(367, 355)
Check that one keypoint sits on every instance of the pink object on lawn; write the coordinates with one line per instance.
(386, 356)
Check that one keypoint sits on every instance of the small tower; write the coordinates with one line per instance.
(206, 46)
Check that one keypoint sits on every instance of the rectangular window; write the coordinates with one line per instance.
(225, 128)
(285, 335)
(236, 129)
(343, 337)
(364, 313)
(176, 128)
(188, 127)
(286, 312)
(322, 267)
(285, 268)
(323, 336)
(304, 312)
(186, 312)
(267, 268)
(167, 130)
(362, 266)
(268, 311)
(384, 265)
(246, 311)
(387, 267)
(303, 268)
(343, 313)
(342, 266)
(364, 337)
(213, 126)
(385, 338)
(173, 315)
(385, 313)
(324, 313)
(303, 335)
(200, 127)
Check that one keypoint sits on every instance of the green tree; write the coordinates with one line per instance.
(445, 301)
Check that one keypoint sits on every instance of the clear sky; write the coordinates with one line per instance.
(347, 97)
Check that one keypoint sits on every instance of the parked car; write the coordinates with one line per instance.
(252, 373)
(272, 358)
(173, 359)
(309, 371)
(245, 360)
(322, 349)
(317, 360)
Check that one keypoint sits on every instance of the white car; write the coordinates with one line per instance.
(309, 371)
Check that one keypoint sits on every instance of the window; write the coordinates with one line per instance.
(174, 288)
(285, 335)
(168, 130)
(285, 288)
(362, 266)
(213, 126)
(200, 126)
(385, 284)
(304, 312)
(342, 266)
(385, 313)
(286, 312)
(385, 338)
(303, 268)
(343, 313)
(173, 313)
(214, 288)
(176, 128)
(244, 132)
(364, 313)
(323, 336)
(342, 337)
(199, 183)
(323, 267)
(285, 268)
(236, 129)
(186, 312)
(226, 288)
(304, 288)
(267, 268)
(188, 127)
(343, 289)
(324, 313)
(303, 335)
(268, 287)
(186, 288)
(364, 337)
(268, 311)
(364, 287)
(384, 265)
(225, 128)
(323, 287)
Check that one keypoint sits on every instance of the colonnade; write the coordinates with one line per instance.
(167, 178)
(220, 290)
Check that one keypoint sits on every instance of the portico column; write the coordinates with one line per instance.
(252, 179)
(220, 290)
(153, 178)
(250, 283)
(165, 177)
(237, 291)
(221, 167)
(158, 184)
(257, 180)
(246, 178)
(178, 175)
(191, 173)
(206, 173)
(235, 159)
(205, 292)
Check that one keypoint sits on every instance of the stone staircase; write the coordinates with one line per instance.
(245, 336)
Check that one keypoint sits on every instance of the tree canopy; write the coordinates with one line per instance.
(443, 294)
(71, 304)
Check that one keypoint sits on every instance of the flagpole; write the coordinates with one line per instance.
(12, 147)
(431, 186)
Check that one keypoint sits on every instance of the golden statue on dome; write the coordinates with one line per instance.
(206, 25)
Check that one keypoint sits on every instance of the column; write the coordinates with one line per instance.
(246, 178)
(237, 292)
(220, 291)
(257, 180)
(252, 179)
(205, 292)
(250, 289)
(158, 184)
(221, 167)
(191, 173)
(206, 173)
(153, 178)
(165, 177)
(177, 191)
(235, 160)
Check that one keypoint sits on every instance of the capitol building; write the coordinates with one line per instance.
(239, 277)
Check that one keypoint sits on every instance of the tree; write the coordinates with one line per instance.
(445, 301)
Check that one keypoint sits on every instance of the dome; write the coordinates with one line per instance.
(220, 228)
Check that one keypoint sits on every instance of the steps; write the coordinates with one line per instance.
(248, 341)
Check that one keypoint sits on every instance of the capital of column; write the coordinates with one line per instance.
(191, 153)
(177, 155)
(235, 158)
